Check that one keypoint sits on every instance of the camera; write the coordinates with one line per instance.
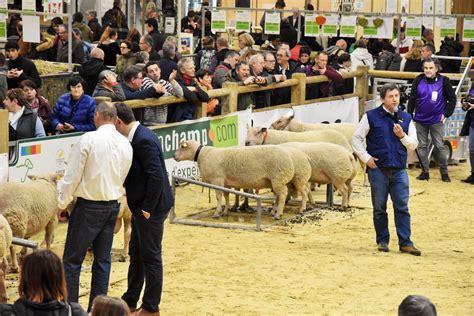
(466, 102)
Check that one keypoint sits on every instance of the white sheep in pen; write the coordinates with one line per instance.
(5, 243)
(329, 164)
(248, 168)
(288, 123)
(29, 208)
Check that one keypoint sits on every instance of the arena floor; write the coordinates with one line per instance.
(326, 263)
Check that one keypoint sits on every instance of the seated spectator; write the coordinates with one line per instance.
(19, 68)
(385, 58)
(204, 79)
(230, 60)
(262, 98)
(248, 54)
(416, 305)
(91, 69)
(304, 58)
(49, 40)
(85, 45)
(295, 51)
(191, 90)
(131, 84)
(319, 68)
(288, 34)
(24, 123)
(146, 45)
(94, 25)
(77, 23)
(126, 58)
(167, 63)
(108, 86)
(62, 47)
(361, 56)
(222, 47)
(158, 114)
(452, 48)
(74, 111)
(133, 36)
(272, 44)
(37, 103)
(108, 43)
(205, 55)
(270, 62)
(246, 42)
(42, 288)
(344, 66)
(109, 306)
(151, 25)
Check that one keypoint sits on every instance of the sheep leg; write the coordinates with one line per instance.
(217, 213)
(118, 225)
(49, 233)
(349, 190)
(14, 267)
(227, 204)
(3, 289)
(343, 190)
(127, 231)
(235, 207)
(281, 193)
(305, 192)
(310, 196)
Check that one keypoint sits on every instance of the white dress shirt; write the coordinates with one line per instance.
(410, 141)
(97, 167)
(133, 130)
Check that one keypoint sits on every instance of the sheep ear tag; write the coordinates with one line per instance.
(184, 145)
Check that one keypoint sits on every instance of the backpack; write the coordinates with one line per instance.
(206, 58)
(333, 54)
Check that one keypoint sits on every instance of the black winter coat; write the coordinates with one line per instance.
(24, 307)
(453, 49)
(90, 71)
(29, 72)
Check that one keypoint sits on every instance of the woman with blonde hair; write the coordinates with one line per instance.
(246, 42)
(413, 61)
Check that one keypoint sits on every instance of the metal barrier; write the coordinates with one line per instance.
(25, 243)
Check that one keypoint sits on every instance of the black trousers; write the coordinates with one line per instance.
(146, 264)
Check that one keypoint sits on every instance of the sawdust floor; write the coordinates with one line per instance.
(324, 263)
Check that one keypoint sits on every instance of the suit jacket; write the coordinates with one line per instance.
(294, 22)
(147, 182)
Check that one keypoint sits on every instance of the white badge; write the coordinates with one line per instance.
(434, 96)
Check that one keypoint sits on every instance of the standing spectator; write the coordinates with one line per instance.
(109, 87)
(116, 19)
(37, 103)
(246, 42)
(272, 44)
(96, 170)
(94, 25)
(427, 52)
(230, 60)
(288, 34)
(204, 79)
(42, 288)
(344, 66)
(133, 36)
(191, 90)
(319, 68)
(24, 122)
(222, 47)
(453, 48)
(262, 99)
(146, 45)
(167, 63)
(87, 47)
(150, 199)
(385, 58)
(206, 54)
(126, 58)
(74, 111)
(158, 114)
(172, 40)
(416, 305)
(432, 100)
(468, 130)
(270, 62)
(188, 23)
(108, 43)
(386, 159)
(152, 29)
(405, 43)
(91, 69)
(412, 62)
(77, 23)
(19, 68)
(296, 21)
(105, 305)
(361, 56)
(49, 40)
(336, 50)
(428, 37)
(62, 48)
(241, 76)
(13, 20)
(285, 67)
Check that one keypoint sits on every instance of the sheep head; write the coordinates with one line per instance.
(256, 136)
(282, 123)
(186, 150)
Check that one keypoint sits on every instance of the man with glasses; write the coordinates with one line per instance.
(146, 46)
(62, 52)
(270, 62)
(126, 58)
(285, 67)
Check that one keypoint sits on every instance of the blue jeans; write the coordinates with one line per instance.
(471, 148)
(91, 224)
(393, 181)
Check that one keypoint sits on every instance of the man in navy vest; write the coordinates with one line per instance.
(389, 134)
(433, 100)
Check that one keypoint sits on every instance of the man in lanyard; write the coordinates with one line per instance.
(96, 171)
(433, 100)
(388, 134)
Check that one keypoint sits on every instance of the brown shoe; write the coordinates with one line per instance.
(144, 312)
(383, 247)
(411, 250)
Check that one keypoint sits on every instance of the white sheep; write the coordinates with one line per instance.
(288, 123)
(265, 136)
(5, 243)
(248, 168)
(330, 163)
(125, 216)
(29, 208)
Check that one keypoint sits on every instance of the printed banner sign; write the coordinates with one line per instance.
(383, 31)
(3, 27)
(468, 30)
(413, 27)
(242, 21)
(272, 22)
(447, 26)
(311, 28)
(348, 25)
(331, 25)
(218, 21)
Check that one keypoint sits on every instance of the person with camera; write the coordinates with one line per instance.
(432, 100)
(241, 76)
(468, 130)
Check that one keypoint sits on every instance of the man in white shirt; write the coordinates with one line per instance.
(388, 134)
(97, 168)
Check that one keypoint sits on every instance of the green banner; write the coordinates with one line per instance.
(272, 27)
(413, 32)
(329, 29)
(446, 32)
(218, 25)
(345, 29)
(370, 30)
(242, 26)
(3, 30)
(468, 34)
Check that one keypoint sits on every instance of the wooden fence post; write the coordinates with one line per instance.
(229, 104)
(4, 131)
(361, 88)
(298, 92)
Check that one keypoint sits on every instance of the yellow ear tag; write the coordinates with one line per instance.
(184, 145)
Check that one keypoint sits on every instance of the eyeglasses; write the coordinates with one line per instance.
(123, 47)
(270, 61)
(280, 55)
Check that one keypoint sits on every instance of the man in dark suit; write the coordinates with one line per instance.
(150, 198)
(293, 20)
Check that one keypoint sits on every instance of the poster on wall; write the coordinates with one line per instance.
(468, 30)
(28, 5)
(413, 27)
(427, 19)
(272, 22)
(404, 6)
(391, 6)
(447, 26)
(169, 25)
(311, 28)
(218, 20)
(242, 21)
(348, 25)
(378, 27)
(331, 25)
(3, 5)
(3, 27)
(187, 43)
(440, 7)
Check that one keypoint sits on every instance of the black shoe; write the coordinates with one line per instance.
(383, 247)
(469, 179)
(423, 176)
(445, 178)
